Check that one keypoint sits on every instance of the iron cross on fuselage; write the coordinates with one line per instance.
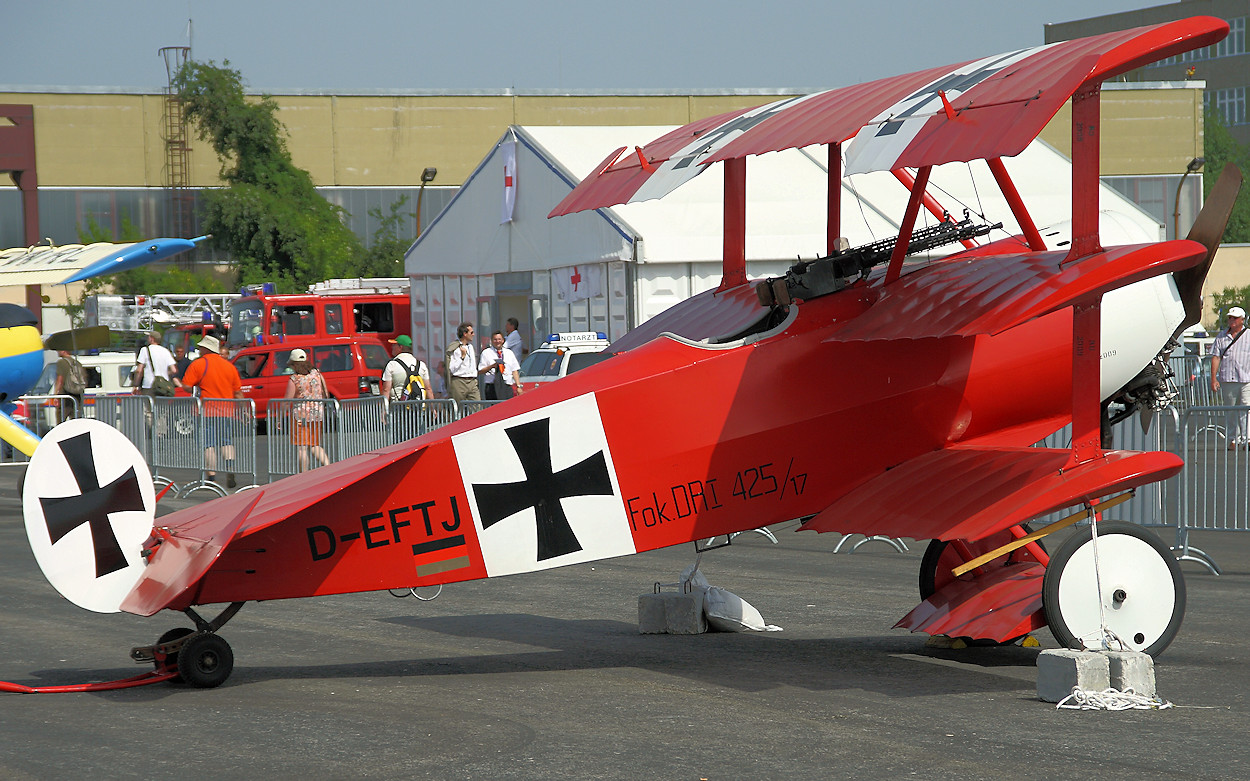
(92, 505)
(543, 489)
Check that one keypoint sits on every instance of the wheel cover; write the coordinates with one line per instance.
(1131, 568)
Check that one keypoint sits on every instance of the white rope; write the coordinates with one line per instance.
(1111, 699)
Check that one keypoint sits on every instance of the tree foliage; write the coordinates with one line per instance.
(385, 257)
(1220, 148)
(269, 216)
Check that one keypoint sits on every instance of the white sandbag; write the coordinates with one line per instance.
(728, 612)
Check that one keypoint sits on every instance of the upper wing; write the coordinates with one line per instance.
(984, 109)
(971, 492)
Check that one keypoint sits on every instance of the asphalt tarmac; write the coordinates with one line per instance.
(546, 676)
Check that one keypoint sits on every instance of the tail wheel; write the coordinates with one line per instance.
(942, 556)
(205, 661)
(1142, 589)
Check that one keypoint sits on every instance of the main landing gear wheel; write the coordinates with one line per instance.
(205, 661)
(1143, 590)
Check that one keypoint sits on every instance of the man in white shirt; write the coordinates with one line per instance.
(501, 369)
(512, 336)
(153, 360)
(395, 374)
(462, 365)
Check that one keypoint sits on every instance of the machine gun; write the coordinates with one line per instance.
(822, 276)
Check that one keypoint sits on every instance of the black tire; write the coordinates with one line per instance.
(1142, 581)
(930, 581)
(206, 661)
(171, 661)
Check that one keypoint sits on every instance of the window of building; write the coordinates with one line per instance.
(1235, 43)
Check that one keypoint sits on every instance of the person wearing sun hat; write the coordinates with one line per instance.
(215, 379)
(394, 380)
(1230, 373)
(307, 383)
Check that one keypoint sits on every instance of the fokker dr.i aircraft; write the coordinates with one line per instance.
(938, 377)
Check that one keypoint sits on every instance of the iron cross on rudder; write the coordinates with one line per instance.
(92, 504)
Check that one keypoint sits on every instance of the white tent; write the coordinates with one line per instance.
(673, 246)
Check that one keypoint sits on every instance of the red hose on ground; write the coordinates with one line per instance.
(125, 683)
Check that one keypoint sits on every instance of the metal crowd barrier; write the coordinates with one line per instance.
(407, 420)
(203, 435)
(42, 413)
(361, 426)
(1215, 483)
(303, 435)
(469, 406)
(1193, 381)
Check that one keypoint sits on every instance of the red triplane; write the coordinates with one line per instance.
(936, 380)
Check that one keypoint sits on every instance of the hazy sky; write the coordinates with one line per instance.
(492, 45)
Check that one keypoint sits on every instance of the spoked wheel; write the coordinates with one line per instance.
(171, 660)
(942, 556)
(205, 661)
(1143, 590)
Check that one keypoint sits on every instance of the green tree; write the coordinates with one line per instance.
(270, 217)
(385, 258)
(1219, 148)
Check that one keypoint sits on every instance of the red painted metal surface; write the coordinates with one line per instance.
(997, 117)
(959, 295)
(734, 259)
(970, 493)
(1001, 605)
(1031, 235)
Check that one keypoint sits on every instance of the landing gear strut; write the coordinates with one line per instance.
(201, 657)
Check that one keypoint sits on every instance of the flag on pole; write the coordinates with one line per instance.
(508, 149)
(578, 282)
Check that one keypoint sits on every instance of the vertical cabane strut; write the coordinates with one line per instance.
(1086, 315)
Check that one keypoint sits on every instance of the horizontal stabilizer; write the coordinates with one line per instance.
(971, 492)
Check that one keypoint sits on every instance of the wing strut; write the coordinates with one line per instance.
(1009, 191)
(834, 223)
(931, 204)
(734, 263)
(909, 222)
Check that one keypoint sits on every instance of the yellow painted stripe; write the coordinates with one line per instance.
(17, 435)
(439, 567)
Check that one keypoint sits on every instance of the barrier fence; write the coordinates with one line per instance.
(178, 436)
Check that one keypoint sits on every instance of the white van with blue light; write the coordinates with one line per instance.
(561, 354)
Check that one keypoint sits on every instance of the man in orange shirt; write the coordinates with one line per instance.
(215, 378)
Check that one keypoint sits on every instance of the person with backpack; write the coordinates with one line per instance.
(71, 380)
(405, 376)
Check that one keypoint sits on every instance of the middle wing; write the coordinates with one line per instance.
(971, 492)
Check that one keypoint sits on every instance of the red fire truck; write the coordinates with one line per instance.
(377, 308)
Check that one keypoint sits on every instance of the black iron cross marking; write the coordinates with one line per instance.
(542, 489)
(954, 82)
(92, 505)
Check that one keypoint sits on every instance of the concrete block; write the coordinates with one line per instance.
(1132, 670)
(1058, 671)
(684, 613)
(676, 614)
(651, 620)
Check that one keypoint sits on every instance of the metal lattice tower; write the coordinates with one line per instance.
(179, 221)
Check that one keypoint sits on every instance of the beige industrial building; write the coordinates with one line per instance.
(103, 155)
